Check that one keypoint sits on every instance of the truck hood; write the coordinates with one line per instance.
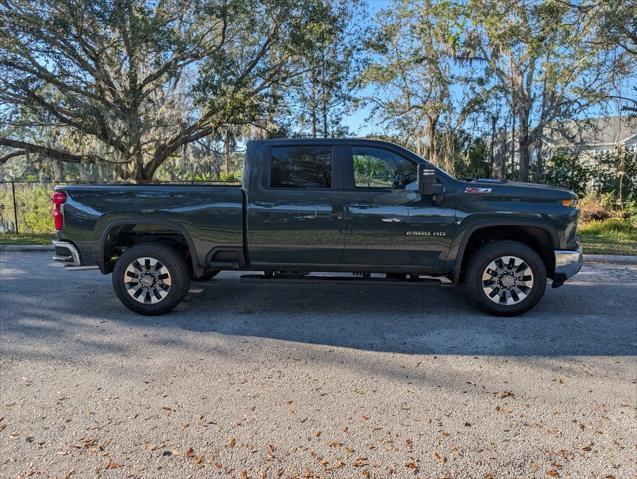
(522, 190)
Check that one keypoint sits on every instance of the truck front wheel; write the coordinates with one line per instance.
(505, 278)
(151, 279)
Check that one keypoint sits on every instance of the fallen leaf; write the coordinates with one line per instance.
(271, 449)
(113, 465)
(231, 442)
(190, 452)
(552, 473)
(244, 474)
(440, 458)
(360, 462)
(504, 394)
(413, 466)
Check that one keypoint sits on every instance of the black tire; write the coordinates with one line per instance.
(171, 263)
(207, 275)
(483, 282)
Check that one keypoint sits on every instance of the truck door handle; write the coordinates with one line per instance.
(266, 204)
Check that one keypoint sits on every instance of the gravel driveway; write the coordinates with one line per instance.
(314, 381)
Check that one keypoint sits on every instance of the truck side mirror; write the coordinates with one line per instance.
(427, 183)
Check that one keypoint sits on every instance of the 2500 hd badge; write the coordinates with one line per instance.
(426, 233)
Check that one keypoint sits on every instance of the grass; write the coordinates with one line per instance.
(12, 238)
(612, 236)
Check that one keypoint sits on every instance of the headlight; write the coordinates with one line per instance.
(570, 203)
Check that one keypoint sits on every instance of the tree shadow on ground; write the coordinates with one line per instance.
(579, 319)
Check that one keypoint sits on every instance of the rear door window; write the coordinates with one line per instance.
(301, 167)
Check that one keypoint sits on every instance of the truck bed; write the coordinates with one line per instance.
(211, 216)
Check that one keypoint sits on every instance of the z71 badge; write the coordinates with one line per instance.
(473, 189)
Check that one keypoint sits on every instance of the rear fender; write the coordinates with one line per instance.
(101, 260)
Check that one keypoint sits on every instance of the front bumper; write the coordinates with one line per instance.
(567, 264)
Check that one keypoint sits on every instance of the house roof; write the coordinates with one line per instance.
(605, 130)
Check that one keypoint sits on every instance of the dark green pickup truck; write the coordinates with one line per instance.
(310, 207)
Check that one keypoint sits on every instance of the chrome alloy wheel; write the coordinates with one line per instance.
(147, 280)
(507, 280)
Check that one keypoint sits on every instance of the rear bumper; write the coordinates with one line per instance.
(67, 253)
(567, 264)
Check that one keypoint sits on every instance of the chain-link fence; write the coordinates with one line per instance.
(25, 208)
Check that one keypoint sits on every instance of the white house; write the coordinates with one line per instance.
(594, 136)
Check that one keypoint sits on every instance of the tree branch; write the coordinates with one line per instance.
(50, 152)
(13, 154)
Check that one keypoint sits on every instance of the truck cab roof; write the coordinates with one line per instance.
(329, 141)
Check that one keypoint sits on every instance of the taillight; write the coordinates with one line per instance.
(59, 197)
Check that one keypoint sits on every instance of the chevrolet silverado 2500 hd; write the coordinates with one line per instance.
(311, 207)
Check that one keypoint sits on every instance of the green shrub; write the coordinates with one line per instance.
(566, 170)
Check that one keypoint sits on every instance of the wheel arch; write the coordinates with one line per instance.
(169, 230)
(541, 239)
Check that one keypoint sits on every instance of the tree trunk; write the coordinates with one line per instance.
(525, 156)
(226, 152)
(324, 97)
(432, 121)
(494, 120)
(58, 171)
(512, 145)
(540, 158)
(501, 155)
(325, 128)
(313, 104)
(82, 167)
(525, 149)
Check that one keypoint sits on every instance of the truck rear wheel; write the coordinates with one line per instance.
(151, 279)
(505, 278)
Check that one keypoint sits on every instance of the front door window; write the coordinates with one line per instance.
(379, 168)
